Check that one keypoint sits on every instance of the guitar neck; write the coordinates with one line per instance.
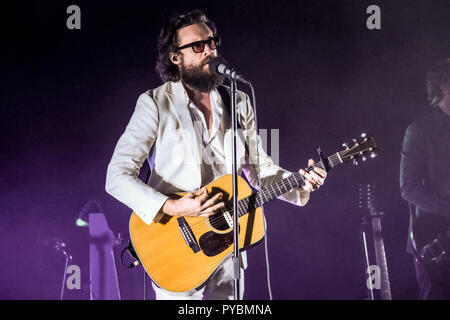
(275, 190)
(366, 201)
(380, 256)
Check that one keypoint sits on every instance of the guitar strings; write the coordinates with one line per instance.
(264, 191)
(214, 220)
(220, 221)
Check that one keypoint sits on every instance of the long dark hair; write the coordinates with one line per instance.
(167, 41)
(438, 75)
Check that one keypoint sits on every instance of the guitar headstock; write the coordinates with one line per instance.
(362, 148)
(366, 196)
(367, 201)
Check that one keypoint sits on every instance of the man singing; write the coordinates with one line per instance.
(181, 128)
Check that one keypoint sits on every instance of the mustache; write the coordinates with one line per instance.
(207, 60)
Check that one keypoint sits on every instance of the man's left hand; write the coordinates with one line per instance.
(314, 178)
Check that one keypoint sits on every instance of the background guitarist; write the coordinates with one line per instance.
(425, 177)
(181, 127)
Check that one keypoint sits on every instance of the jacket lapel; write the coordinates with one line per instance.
(177, 101)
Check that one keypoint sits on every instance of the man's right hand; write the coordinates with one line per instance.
(194, 204)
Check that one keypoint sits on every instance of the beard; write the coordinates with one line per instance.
(198, 79)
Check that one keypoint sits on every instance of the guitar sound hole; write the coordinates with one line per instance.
(218, 222)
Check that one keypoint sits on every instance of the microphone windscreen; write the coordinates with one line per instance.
(214, 64)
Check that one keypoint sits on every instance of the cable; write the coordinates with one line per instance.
(269, 287)
(145, 284)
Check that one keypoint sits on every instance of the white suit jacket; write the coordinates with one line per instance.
(161, 129)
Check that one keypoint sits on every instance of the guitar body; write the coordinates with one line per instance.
(166, 255)
(427, 227)
(380, 257)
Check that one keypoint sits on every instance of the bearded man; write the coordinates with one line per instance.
(181, 128)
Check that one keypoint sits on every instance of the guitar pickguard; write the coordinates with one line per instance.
(213, 243)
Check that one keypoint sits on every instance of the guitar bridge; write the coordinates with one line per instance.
(228, 219)
(187, 234)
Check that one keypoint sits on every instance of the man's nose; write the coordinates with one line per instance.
(207, 50)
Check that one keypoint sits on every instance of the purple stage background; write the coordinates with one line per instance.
(321, 77)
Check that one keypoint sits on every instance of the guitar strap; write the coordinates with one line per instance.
(225, 95)
(412, 218)
(132, 253)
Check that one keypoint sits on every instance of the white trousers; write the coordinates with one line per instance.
(219, 287)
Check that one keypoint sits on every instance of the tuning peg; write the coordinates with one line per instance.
(363, 158)
(363, 135)
(345, 145)
(373, 154)
(355, 162)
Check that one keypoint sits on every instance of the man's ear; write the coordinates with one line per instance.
(174, 57)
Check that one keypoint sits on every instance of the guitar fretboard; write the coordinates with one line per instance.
(275, 190)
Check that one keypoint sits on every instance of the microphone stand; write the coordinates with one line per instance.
(219, 66)
(68, 257)
(363, 233)
(236, 254)
(61, 246)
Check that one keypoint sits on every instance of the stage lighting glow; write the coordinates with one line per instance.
(81, 223)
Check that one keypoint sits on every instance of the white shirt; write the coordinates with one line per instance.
(213, 163)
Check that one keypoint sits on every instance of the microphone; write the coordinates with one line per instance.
(220, 67)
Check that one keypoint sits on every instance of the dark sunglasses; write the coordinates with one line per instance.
(199, 46)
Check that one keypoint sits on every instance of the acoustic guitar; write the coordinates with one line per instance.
(181, 253)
